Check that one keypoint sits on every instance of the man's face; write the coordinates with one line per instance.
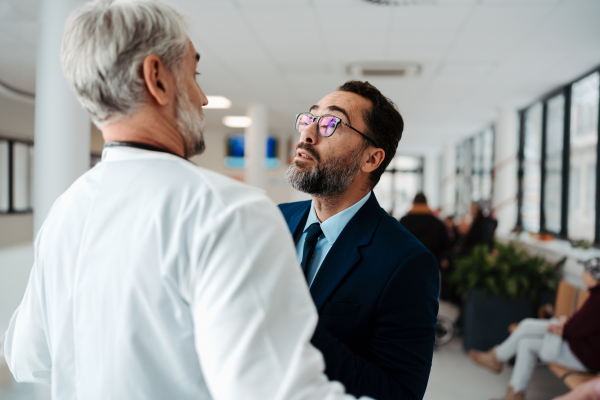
(188, 104)
(327, 166)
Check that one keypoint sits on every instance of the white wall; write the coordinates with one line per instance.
(16, 118)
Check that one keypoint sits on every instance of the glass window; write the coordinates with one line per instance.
(554, 154)
(463, 178)
(3, 176)
(591, 191)
(407, 185)
(399, 185)
(584, 139)
(21, 177)
(487, 163)
(476, 168)
(384, 191)
(532, 159)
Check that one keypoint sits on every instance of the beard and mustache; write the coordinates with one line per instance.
(190, 122)
(330, 179)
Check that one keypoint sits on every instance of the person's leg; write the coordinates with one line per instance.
(566, 358)
(528, 351)
(528, 328)
(494, 359)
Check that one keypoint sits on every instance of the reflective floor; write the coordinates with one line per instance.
(453, 377)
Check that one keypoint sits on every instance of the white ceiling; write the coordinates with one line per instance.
(477, 55)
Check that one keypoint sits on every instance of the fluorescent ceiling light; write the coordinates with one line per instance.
(218, 102)
(237, 121)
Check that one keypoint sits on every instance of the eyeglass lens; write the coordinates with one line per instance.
(303, 121)
(327, 123)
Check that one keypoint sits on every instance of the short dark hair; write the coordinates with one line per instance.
(383, 120)
(420, 198)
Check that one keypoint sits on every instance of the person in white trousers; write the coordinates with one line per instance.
(556, 341)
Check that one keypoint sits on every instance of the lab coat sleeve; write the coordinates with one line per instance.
(252, 311)
(25, 346)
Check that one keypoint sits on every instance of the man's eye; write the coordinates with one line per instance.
(306, 121)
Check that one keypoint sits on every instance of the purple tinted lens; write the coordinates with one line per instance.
(327, 126)
(304, 120)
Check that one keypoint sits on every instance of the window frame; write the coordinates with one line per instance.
(566, 91)
(11, 172)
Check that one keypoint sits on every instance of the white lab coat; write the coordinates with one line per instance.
(156, 279)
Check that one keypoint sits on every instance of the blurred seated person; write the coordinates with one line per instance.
(426, 227)
(451, 229)
(480, 231)
(586, 391)
(573, 344)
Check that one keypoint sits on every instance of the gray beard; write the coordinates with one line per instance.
(331, 179)
(190, 122)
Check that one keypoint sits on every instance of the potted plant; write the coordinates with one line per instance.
(500, 288)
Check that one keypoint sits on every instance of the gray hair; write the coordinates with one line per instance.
(104, 46)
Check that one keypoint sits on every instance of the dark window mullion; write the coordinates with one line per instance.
(421, 169)
(11, 181)
(543, 168)
(566, 165)
(520, 165)
(597, 216)
(492, 170)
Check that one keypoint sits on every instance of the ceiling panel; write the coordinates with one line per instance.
(430, 17)
(271, 3)
(519, 3)
(401, 36)
(282, 19)
(288, 54)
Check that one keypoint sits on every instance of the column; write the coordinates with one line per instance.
(448, 181)
(62, 126)
(255, 145)
(432, 180)
(505, 169)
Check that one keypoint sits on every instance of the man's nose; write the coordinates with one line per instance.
(309, 134)
(203, 97)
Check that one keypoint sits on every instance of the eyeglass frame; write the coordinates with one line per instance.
(338, 120)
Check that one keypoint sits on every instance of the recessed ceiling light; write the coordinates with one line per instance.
(218, 102)
(237, 121)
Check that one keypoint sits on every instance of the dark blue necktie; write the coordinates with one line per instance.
(312, 236)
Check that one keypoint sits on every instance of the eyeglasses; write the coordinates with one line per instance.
(327, 124)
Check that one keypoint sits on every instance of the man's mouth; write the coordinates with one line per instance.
(303, 154)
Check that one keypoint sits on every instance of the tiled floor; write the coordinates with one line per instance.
(455, 377)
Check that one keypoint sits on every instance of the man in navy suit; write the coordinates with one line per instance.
(374, 284)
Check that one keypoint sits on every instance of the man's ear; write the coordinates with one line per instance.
(374, 158)
(158, 79)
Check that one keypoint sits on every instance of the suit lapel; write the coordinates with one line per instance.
(344, 253)
(298, 220)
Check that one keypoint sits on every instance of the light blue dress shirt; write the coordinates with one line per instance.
(331, 228)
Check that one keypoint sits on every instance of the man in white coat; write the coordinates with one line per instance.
(153, 278)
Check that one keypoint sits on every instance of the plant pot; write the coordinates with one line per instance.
(486, 318)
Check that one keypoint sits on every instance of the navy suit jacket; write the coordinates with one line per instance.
(376, 294)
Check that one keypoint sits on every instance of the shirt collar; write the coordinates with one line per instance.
(127, 153)
(333, 226)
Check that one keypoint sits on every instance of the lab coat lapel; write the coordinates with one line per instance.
(344, 253)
